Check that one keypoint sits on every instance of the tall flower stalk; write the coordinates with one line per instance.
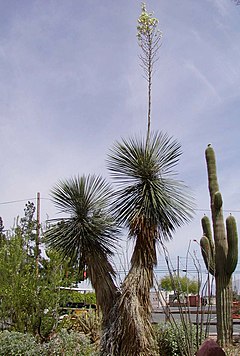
(149, 37)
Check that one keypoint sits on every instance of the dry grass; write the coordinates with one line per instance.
(233, 350)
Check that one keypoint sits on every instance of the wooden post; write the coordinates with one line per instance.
(38, 233)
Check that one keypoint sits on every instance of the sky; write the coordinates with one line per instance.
(71, 85)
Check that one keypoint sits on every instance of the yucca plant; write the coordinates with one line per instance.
(150, 203)
(148, 200)
(88, 233)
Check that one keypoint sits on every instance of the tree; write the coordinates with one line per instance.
(150, 204)
(2, 235)
(149, 201)
(87, 235)
(180, 285)
(1, 225)
(29, 303)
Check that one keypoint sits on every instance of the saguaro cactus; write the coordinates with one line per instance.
(221, 253)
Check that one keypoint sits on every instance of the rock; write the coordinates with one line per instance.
(210, 348)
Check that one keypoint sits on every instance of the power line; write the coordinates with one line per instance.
(43, 198)
(15, 201)
(225, 210)
(21, 200)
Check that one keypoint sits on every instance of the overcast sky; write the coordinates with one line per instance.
(71, 85)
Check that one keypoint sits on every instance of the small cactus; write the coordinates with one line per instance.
(221, 253)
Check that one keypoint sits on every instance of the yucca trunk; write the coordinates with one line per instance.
(130, 332)
(101, 276)
(144, 259)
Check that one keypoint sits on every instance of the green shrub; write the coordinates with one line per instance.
(18, 344)
(176, 339)
(70, 344)
(64, 343)
(76, 297)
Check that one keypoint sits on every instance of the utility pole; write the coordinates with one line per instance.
(38, 233)
(178, 266)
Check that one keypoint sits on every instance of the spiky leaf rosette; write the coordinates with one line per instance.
(89, 225)
(149, 199)
(87, 235)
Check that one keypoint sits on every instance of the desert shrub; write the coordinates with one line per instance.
(18, 344)
(175, 339)
(88, 323)
(70, 344)
(63, 343)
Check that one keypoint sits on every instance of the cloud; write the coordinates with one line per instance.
(71, 85)
(222, 6)
(209, 88)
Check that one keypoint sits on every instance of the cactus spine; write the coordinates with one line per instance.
(221, 254)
